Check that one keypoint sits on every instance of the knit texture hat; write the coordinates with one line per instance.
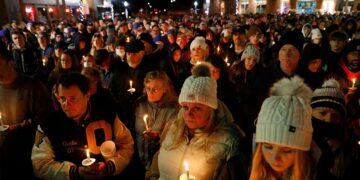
(198, 41)
(312, 52)
(251, 51)
(293, 38)
(226, 33)
(285, 117)
(330, 96)
(200, 87)
(315, 33)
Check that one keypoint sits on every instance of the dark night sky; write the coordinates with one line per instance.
(161, 4)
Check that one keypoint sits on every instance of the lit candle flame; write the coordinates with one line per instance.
(1, 122)
(43, 61)
(353, 82)
(145, 121)
(186, 164)
(131, 83)
(218, 49)
(87, 153)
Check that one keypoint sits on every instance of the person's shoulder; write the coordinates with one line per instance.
(25, 80)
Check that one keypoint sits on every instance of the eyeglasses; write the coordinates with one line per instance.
(152, 90)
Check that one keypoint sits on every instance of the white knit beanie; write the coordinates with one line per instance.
(316, 33)
(285, 117)
(200, 87)
(251, 51)
(198, 41)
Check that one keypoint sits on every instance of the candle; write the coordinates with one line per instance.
(131, 89)
(87, 153)
(127, 39)
(218, 49)
(187, 169)
(1, 122)
(44, 62)
(145, 121)
(88, 160)
(353, 82)
(226, 61)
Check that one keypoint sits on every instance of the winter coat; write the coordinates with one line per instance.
(59, 144)
(206, 153)
(26, 61)
(24, 103)
(159, 114)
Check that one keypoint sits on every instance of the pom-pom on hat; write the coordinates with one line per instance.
(329, 96)
(285, 117)
(251, 51)
(200, 87)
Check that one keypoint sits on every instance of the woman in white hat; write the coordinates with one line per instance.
(284, 133)
(203, 136)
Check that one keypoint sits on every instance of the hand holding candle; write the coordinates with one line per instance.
(226, 61)
(88, 161)
(2, 126)
(131, 89)
(353, 82)
(186, 175)
(145, 121)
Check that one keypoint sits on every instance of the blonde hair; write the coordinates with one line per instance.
(179, 132)
(302, 168)
(91, 73)
(164, 78)
(95, 37)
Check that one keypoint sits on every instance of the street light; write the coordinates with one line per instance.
(207, 7)
(126, 4)
(195, 4)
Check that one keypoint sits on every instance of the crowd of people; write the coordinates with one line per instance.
(253, 96)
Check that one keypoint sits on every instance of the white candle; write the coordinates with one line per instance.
(145, 121)
(353, 82)
(226, 61)
(186, 164)
(44, 62)
(131, 83)
(87, 153)
(218, 49)
(1, 122)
